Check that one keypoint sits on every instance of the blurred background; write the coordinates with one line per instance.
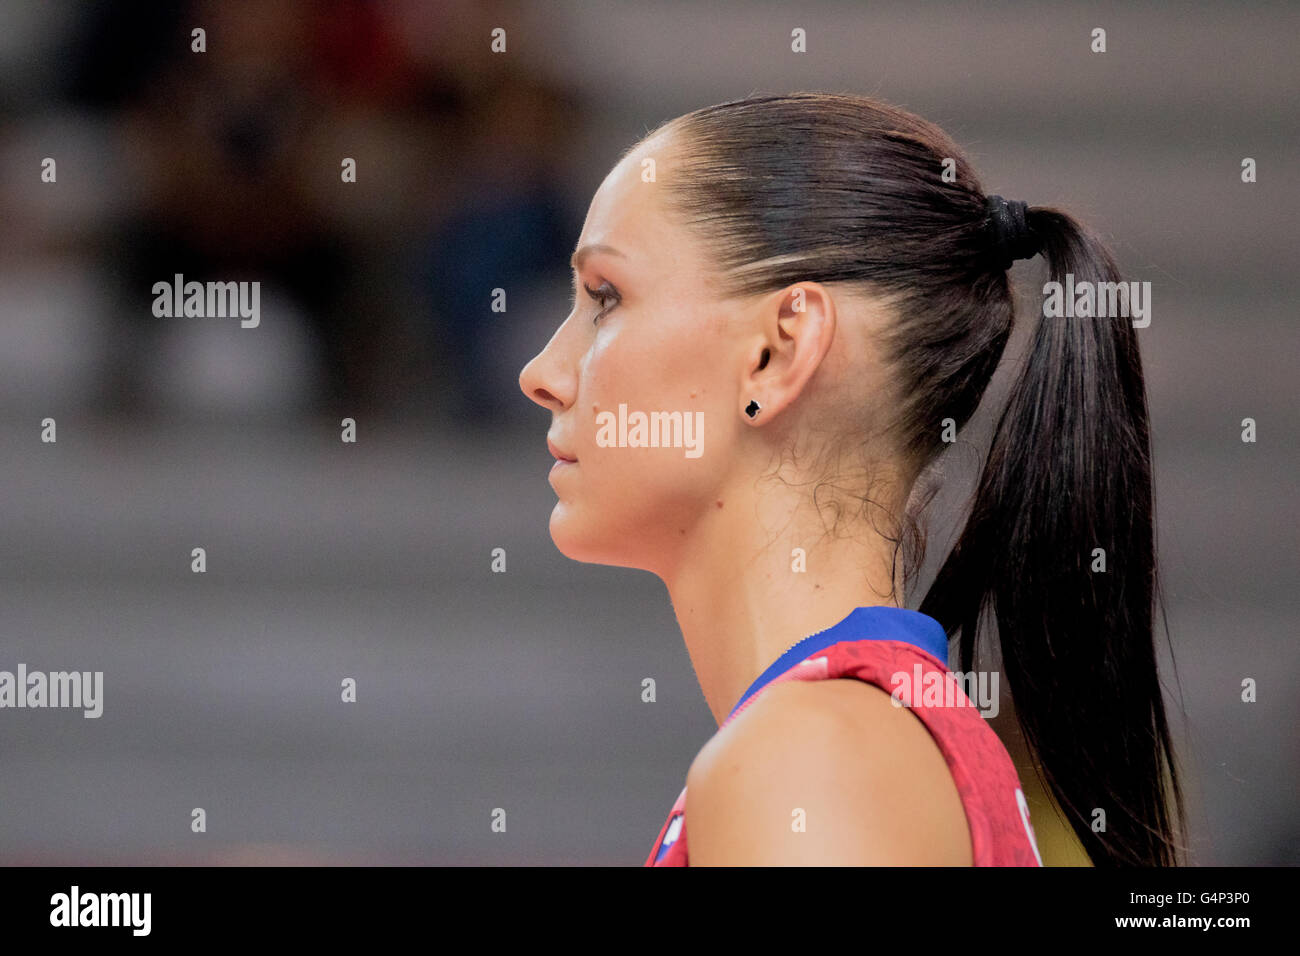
(371, 560)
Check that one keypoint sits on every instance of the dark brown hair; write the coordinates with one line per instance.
(837, 188)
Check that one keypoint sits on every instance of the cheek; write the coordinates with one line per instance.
(624, 487)
(652, 359)
(645, 367)
(653, 364)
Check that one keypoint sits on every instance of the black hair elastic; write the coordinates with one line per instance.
(1012, 236)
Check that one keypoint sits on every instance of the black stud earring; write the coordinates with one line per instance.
(752, 408)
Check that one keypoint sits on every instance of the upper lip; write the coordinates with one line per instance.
(557, 452)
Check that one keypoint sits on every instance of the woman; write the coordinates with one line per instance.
(785, 309)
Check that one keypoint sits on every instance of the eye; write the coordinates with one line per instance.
(606, 293)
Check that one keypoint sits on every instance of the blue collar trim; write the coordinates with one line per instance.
(863, 624)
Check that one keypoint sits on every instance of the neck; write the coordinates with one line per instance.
(741, 601)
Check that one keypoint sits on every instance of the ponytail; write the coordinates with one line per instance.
(1066, 492)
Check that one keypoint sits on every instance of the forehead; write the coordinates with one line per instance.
(627, 211)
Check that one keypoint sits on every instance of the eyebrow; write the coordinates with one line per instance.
(581, 255)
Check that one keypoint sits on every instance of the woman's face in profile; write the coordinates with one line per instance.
(647, 332)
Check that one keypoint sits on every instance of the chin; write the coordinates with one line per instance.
(567, 533)
(578, 540)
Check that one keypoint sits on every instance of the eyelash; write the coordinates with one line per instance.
(605, 292)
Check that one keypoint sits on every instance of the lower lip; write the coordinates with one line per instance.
(560, 463)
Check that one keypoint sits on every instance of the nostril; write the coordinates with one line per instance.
(544, 398)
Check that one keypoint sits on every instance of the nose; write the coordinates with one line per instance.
(539, 382)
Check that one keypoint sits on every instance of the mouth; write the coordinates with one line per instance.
(561, 457)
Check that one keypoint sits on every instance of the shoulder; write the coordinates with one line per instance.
(827, 772)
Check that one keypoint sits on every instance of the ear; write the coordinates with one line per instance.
(796, 328)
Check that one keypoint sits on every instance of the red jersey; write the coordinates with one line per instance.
(905, 653)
